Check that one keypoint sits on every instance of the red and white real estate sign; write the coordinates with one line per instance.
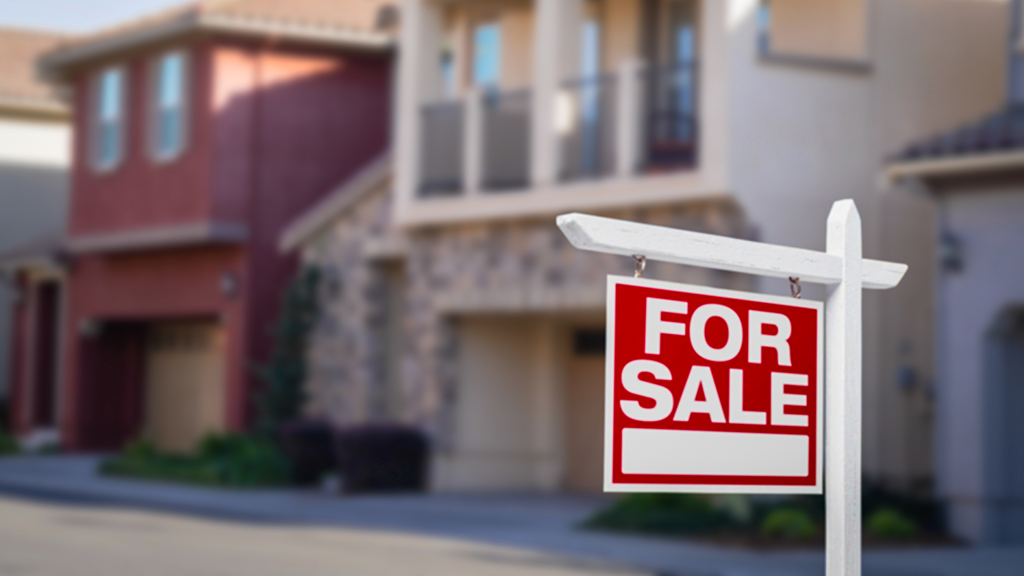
(711, 390)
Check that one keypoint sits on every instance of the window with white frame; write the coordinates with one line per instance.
(168, 106)
(109, 118)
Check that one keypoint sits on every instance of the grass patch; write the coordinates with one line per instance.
(8, 445)
(224, 460)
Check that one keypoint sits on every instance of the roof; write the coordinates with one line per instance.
(996, 141)
(20, 85)
(367, 24)
(998, 132)
(372, 177)
(43, 251)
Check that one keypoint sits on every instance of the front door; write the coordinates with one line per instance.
(584, 415)
(185, 392)
(45, 348)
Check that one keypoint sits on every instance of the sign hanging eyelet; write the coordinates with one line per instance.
(640, 262)
(794, 287)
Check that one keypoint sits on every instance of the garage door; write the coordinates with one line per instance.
(184, 384)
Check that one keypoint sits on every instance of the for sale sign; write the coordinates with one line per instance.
(711, 390)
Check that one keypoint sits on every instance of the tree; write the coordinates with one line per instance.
(282, 396)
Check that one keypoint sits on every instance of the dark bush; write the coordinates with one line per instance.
(309, 447)
(382, 458)
(925, 513)
(662, 514)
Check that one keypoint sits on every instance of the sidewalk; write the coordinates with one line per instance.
(537, 522)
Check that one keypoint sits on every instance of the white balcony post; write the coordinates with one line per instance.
(544, 150)
(418, 80)
(473, 141)
(627, 118)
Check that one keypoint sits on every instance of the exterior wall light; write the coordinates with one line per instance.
(228, 284)
(951, 252)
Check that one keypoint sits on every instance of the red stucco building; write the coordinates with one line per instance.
(198, 135)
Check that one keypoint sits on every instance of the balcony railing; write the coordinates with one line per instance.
(636, 121)
(506, 140)
(670, 117)
(586, 122)
(441, 149)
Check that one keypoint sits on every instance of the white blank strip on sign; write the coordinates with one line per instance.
(651, 451)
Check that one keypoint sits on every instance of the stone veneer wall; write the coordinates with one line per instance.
(515, 266)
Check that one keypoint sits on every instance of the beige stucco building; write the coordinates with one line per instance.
(974, 175)
(35, 156)
(452, 301)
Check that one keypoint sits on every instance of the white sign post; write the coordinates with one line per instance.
(845, 273)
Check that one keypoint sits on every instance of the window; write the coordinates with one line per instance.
(168, 116)
(830, 30)
(764, 26)
(487, 54)
(109, 124)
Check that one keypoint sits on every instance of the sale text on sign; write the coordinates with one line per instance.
(711, 390)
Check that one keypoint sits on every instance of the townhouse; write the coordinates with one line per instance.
(453, 302)
(35, 154)
(198, 133)
(974, 175)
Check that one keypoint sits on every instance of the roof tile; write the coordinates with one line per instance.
(19, 80)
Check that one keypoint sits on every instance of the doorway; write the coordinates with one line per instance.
(45, 351)
(1004, 445)
(584, 413)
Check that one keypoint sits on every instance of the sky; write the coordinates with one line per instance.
(75, 15)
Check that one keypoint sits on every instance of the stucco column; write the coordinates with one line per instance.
(473, 141)
(549, 23)
(627, 118)
(418, 82)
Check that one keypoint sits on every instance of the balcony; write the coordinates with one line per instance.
(532, 107)
(640, 121)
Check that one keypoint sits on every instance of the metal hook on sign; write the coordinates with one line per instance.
(640, 262)
(794, 287)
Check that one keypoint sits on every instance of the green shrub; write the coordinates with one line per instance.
(789, 524)
(139, 450)
(8, 444)
(229, 460)
(282, 395)
(888, 524)
(926, 513)
(662, 514)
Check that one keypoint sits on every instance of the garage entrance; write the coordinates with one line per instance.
(185, 391)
